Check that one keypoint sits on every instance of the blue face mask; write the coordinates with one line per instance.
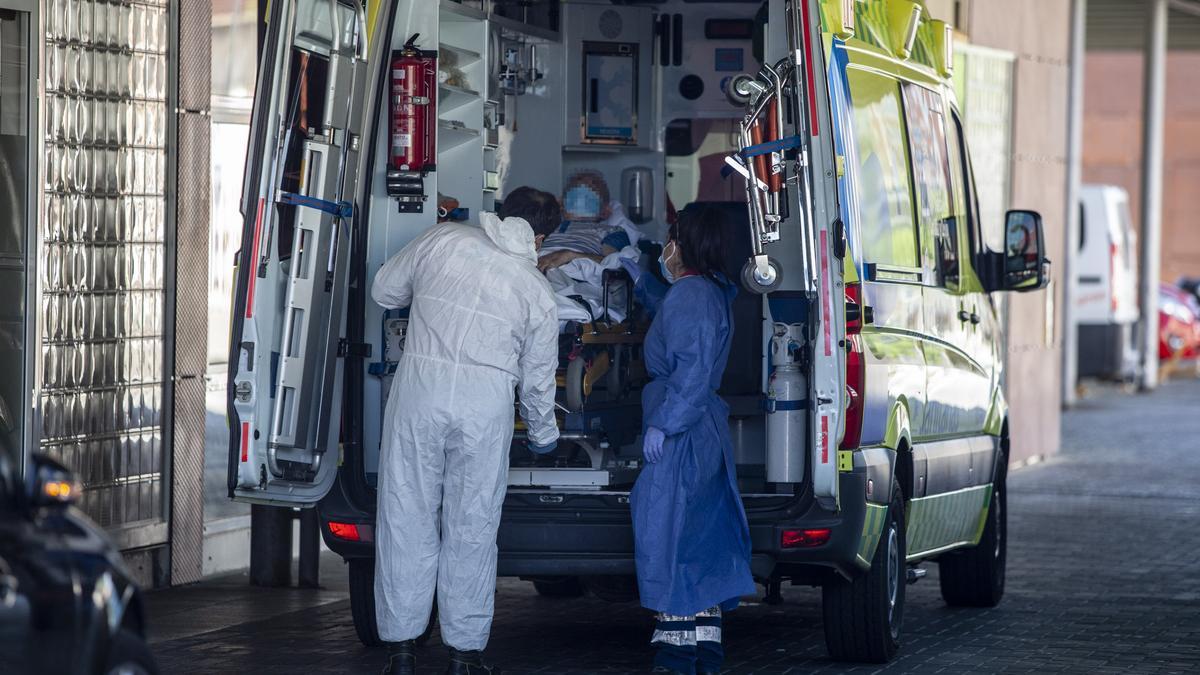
(662, 262)
(582, 202)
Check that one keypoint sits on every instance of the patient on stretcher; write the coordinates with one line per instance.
(595, 225)
(594, 238)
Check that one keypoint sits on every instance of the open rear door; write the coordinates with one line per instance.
(788, 161)
(289, 308)
(824, 236)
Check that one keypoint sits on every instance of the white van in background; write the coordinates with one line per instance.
(1106, 299)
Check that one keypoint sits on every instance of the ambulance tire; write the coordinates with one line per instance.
(362, 604)
(362, 601)
(863, 617)
(974, 577)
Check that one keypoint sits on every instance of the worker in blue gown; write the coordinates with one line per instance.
(692, 543)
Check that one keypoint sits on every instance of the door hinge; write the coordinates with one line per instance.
(347, 348)
(845, 459)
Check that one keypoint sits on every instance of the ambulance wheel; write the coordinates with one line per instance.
(974, 577)
(559, 587)
(362, 601)
(575, 371)
(362, 604)
(863, 617)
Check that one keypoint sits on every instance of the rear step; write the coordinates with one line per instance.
(606, 468)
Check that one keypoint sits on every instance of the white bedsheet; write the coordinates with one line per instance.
(585, 278)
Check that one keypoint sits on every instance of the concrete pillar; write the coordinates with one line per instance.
(1152, 180)
(1070, 340)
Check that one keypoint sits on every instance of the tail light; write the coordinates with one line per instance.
(855, 367)
(1112, 274)
(805, 538)
(347, 531)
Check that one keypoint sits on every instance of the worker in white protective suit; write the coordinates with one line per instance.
(482, 323)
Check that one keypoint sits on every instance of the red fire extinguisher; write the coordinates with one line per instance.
(414, 124)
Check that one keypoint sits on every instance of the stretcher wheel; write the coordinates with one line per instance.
(576, 369)
(617, 376)
(753, 283)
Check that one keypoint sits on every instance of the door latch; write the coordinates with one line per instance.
(359, 349)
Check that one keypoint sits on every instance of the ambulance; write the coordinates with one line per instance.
(864, 382)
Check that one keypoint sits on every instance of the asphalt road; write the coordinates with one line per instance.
(1103, 577)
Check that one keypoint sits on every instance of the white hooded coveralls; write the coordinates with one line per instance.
(482, 323)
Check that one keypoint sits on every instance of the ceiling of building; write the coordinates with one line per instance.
(1121, 24)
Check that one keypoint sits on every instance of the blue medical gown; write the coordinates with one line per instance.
(692, 544)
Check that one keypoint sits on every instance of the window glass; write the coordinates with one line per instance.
(963, 169)
(15, 126)
(931, 169)
(884, 187)
(696, 152)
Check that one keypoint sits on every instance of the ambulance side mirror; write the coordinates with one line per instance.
(1026, 267)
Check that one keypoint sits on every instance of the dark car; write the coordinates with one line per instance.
(67, 602)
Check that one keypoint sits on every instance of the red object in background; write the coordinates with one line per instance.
(414, 109)
(1178, 324)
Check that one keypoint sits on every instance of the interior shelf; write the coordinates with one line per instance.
(452, 98)
(451, 136)
(455, 11)
(466, 57)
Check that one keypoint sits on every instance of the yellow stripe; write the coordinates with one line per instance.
(372, 15)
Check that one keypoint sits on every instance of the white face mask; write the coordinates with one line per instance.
(662, 262)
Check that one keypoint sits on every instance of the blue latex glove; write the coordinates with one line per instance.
(652, 445)
(544, 449)
(631, 266)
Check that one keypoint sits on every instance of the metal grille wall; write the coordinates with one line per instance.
(103, 254)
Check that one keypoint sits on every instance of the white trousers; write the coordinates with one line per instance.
(442, 479)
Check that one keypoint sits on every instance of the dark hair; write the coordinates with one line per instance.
(539, 209)
(703, 239)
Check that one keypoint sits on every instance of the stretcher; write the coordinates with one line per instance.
(599, 382)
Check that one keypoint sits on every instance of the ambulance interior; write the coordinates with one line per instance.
(528, 94)
(634, 92)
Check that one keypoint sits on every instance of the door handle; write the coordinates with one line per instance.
(974, 318)
(963, 315)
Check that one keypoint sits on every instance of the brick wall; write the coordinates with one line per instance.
(1112, 145)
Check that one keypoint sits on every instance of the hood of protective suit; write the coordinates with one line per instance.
(512, 235)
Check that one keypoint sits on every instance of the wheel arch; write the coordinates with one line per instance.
(898, 438)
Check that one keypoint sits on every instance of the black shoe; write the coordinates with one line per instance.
(402, 658)
(469, 663)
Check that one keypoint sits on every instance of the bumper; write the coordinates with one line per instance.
(584, 534)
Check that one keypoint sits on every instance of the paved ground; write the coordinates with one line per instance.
(1104, 577)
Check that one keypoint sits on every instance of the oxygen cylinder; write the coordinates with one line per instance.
(787, 415)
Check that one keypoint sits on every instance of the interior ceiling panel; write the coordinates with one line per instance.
(1121, 24)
